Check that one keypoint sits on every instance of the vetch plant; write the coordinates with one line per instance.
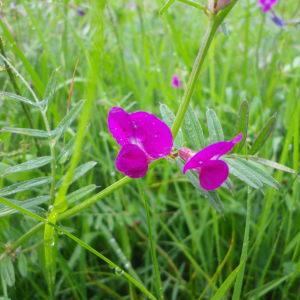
(143, 139)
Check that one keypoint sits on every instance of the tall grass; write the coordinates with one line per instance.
(107, 236)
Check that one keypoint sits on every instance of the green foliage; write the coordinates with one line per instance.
(242, 124)
(193, 130)
(263, 135)
(125, 54)
(169, 117)
(28, 165)
(214, 127)
(7, 271)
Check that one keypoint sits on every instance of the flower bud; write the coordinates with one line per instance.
(185, 153)
(220, 4)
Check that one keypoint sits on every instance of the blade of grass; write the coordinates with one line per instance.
(244, 255)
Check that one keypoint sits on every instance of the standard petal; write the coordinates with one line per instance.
(152, 134)
(132, 161)
(213, 151)
(213, 174)
(119, 125)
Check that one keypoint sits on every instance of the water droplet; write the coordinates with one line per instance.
(60, 232)
(127, 266)
(50, 242)
(118, 271)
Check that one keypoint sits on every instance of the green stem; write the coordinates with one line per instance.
(194, 4)
(117, 269)
(208, 37)
(74, 210)
(90, 201)
(26, 236)
(158, 284)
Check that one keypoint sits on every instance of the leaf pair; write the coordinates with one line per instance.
(55, 133)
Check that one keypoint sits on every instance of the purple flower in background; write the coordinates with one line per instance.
(266, 5)
(176, 82)
(213, 172)
(277, 20)
(80, 12)
(143, 138)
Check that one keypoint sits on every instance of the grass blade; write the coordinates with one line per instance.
(223, 289)
(240, 276)
(263, 135)
(242, 124)
(166, 6)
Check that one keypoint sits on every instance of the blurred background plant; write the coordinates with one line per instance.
(124, 53)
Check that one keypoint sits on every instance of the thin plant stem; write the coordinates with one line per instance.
(61, 230)
(74, 210)
(214, 22)
(152, 242)
(208, 37)
(194, 4)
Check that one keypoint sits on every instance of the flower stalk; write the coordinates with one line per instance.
(215, 20)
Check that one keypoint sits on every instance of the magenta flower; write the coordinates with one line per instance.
(213, 172)
(176, 82)
(266, 5)
(143, 138)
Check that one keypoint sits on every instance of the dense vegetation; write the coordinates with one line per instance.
(54, 54)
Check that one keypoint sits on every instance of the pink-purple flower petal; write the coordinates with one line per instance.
(213, 174)
(132, 161)
(120, 125)
(152, 134)
(213, 151)
(266, 5)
